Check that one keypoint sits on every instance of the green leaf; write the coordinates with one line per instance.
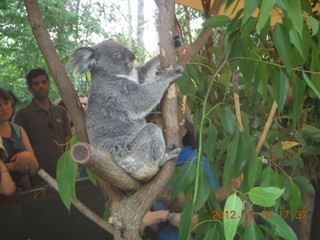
(295, 195)
(242, 153)
(106, 212)
(280, 86)
(217, 21)
(185, 222)
(92, 177)
(298, 93)
(204, 191)
(267, 177)
(310, 84)
(264, 13)
(253, 232)
(311, 131)
(231, 157)
(66, 177)
(183, 83)
(314, 23)
(269, 232)
(265, 196)
(296, 41)
(183, 177)
(280, 227)
(192, 72)
(304, 184)
(283, 45)
(252, 167)
(211, 141)
(295, 14)
(230, 225)
(212, 233)
(228, 121)
(249, 7)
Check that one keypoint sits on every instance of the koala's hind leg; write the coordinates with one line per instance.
(145, 153)
(172, 151)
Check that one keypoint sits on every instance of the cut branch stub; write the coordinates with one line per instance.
(101, 163)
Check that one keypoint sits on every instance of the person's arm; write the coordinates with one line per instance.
(24, 160)
(33, 164)
(7, 186)
(157, 217)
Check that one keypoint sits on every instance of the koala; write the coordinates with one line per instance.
(120, 98)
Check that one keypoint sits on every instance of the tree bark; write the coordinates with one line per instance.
(140, 26)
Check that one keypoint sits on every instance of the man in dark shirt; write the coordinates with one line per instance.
(46, 124)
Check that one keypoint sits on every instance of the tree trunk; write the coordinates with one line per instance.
(140, 27)
(129, 26)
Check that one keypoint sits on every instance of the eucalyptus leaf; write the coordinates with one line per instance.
(280, 227)
(66, 178)
(280, 86)
(311, 85)
(231, 157)
(264, 13)
(184, 176)
(295, 14)
(228, 121)
(295, 196)
(298, 93)
(183, 83)
(252, 167)
(265, 197)
(267, 177)
(314, 23)
(282, 42)
(204, 191)
(304, 184)
(253, 232)
(249, 7)
(192, 72)
(233, 204)
(185, 222)
(217, 21)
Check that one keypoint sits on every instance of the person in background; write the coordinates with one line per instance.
(19, 159)
(46, 124)
(84, 101)
(7, 186)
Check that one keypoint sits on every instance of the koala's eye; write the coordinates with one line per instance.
(116, 55)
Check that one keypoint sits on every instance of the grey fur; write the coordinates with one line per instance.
(119, 100)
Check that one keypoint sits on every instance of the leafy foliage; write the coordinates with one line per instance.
(265, 63)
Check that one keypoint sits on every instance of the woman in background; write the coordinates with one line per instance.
(20, 160)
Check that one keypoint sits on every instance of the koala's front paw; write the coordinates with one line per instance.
(169, 75)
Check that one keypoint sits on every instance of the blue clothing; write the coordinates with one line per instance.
(14, 145)
(187, 154)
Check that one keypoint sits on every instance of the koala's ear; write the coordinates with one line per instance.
(83, 59)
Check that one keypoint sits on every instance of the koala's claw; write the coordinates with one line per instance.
(160, 70)
(170, 147)
(177, 41)
(172, 151)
